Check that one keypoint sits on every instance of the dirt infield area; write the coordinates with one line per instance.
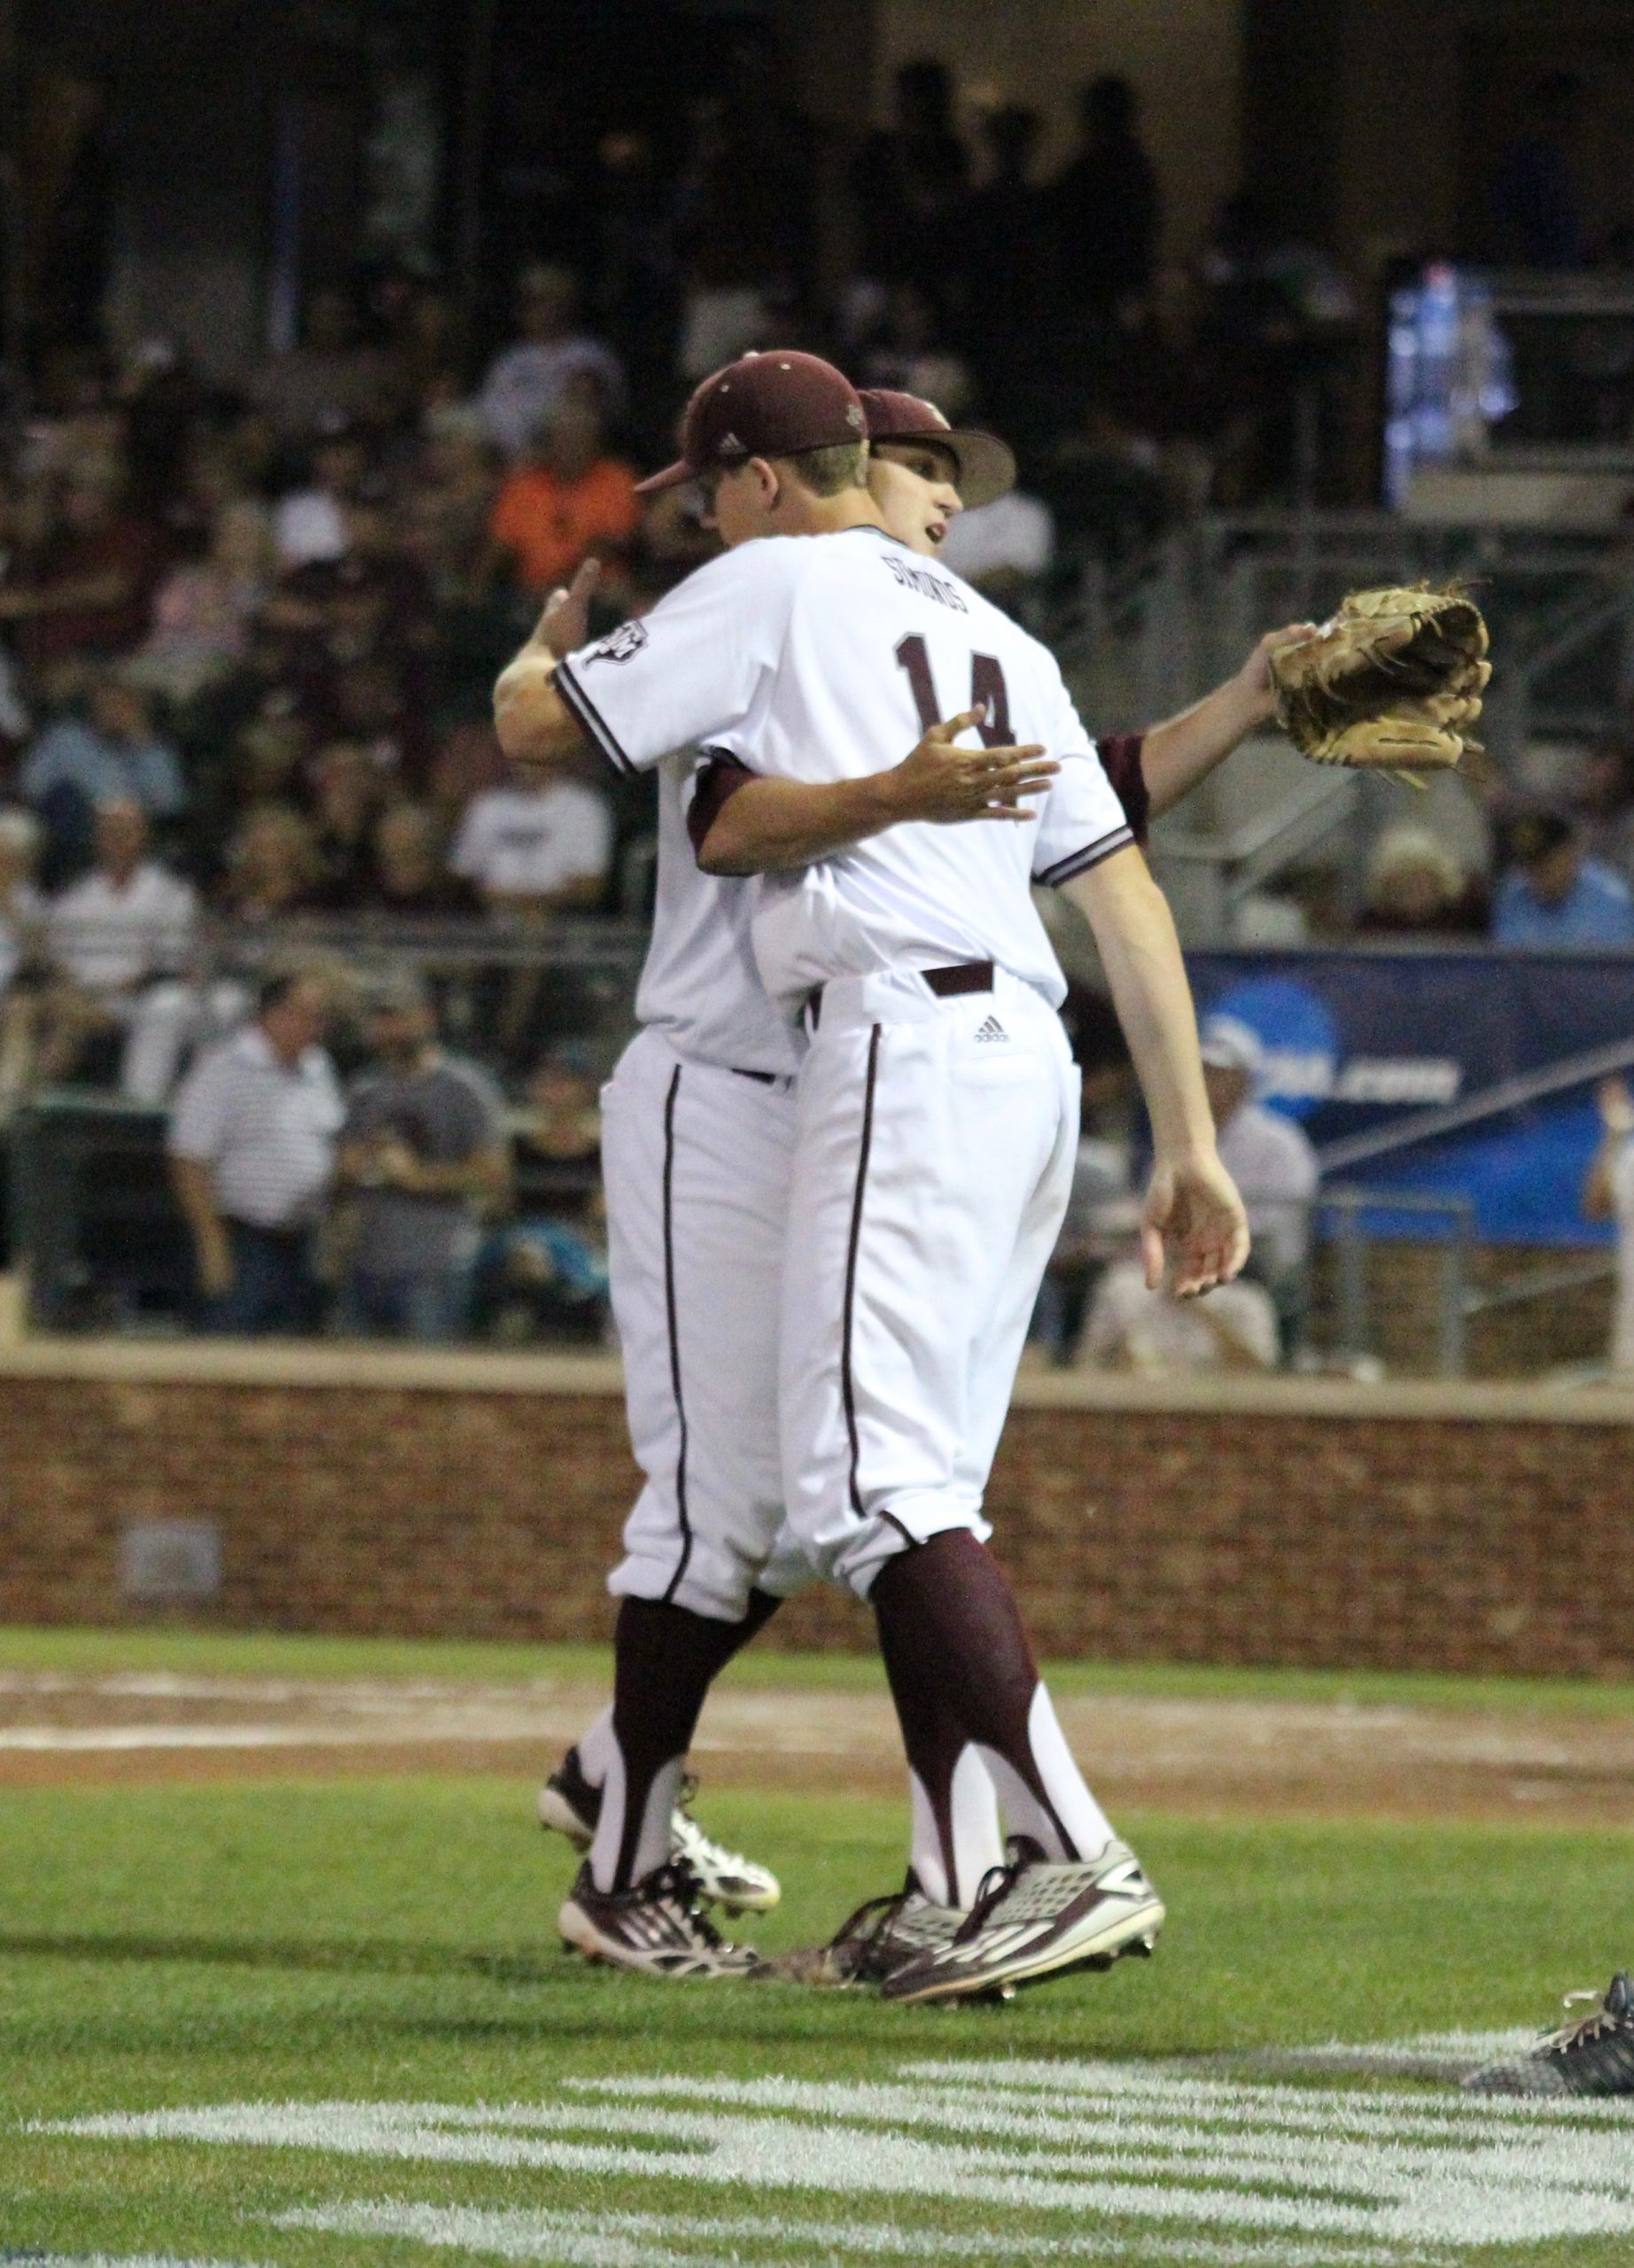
(1213, 1757)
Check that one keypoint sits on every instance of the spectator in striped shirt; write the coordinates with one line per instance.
(251, 1149)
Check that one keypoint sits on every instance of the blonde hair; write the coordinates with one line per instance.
(830, 472)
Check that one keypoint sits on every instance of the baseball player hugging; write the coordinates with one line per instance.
(875, 1140)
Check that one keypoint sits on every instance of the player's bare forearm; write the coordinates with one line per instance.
(1194, 1229)
(1180, 753)
(1140, 953)
(771, 825)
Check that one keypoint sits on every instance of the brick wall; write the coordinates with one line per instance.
(1472, 1528)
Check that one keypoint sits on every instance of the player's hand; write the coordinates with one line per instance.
(1254, 675)
(948, 785)
(1616, 1105)
(1194, 1230)
(565, 625)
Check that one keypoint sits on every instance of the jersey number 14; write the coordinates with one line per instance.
(988, 688)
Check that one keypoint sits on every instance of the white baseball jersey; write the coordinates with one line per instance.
(699, 985)
(825, 657)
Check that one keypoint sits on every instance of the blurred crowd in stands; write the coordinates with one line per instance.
(411, 1201)
(247, 638)
(1563, 870)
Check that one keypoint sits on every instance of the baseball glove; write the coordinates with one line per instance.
(1391, 682)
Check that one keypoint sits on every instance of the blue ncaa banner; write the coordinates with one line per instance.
(1356, 1040)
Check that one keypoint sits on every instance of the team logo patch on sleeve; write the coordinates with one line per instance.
(623, 646)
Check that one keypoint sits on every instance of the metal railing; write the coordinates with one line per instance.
(1353, 1211)
(1461, 1303)
(1540, 1284)
(452, 941)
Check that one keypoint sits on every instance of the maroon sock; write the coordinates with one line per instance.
(960, 1672)
(665, 1661)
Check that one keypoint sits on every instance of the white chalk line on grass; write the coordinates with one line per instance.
(648, 2240)
(1115, 2142)
(1189, 2145)
(1034, 2112)
(1030, 2076)
(1324, 2162)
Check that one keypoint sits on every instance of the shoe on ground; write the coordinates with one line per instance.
(658, 1927)
(1035, 1917)
(882, 1936)
(1589, 2054)
(569, 1806)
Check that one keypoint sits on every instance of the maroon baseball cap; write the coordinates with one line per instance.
(776, 404)
(986, 468)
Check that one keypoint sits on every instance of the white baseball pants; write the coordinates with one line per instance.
(695, 1161)
(932, 1165)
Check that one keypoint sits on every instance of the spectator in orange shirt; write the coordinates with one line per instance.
(568, 500)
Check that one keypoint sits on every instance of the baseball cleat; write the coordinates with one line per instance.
(725, 1878)
(1036, 1917)
(569, 1806)
(1589, 2054)
(657, 1926)
(882, 1936)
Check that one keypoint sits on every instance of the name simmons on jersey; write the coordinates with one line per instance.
(927, 584)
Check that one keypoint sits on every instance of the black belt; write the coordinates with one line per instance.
(947, 983)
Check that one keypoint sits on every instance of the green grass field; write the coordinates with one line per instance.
(348, 1998)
